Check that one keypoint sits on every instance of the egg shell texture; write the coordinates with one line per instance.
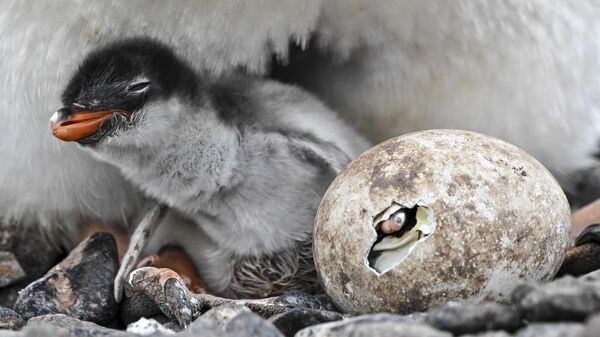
(501, 218)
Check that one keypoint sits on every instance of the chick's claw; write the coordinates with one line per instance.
(177, 299)
(166, 289)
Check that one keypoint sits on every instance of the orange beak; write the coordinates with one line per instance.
(80, 125)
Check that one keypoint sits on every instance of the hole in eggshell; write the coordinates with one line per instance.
(399, 229)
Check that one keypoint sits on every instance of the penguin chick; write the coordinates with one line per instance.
(245, 159)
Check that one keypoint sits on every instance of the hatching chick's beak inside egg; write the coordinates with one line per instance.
(399, 229)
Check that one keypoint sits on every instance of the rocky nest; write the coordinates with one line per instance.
(74, 298)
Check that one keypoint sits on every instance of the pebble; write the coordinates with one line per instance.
(34, 253)
(10, 319)
(470, 318)
(231, 320)
(218, 317)
(296, 319)
(490, 334)
(69, 326)
(551, 330)
(80, 286)
(382, 325)
(592, 327)
(565, 299)
(147, 327)
(248, 324)
(10, 269)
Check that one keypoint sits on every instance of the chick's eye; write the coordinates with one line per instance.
(138, 87)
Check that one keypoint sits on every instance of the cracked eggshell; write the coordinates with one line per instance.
(500, 218)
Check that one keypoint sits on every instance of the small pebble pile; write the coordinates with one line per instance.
(74, 298)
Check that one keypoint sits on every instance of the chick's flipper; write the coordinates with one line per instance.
(140, 238)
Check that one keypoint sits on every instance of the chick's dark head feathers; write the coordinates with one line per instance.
(118, 66)
(116, 81)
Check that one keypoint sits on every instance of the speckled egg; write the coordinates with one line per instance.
(438, 216)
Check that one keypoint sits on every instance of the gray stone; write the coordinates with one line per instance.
(296, 319)
(490, 334)
(326, 302)
(470, 318)
(218, 317)
(10, 319)
(80, 286)
(42, 331)
(551, 330)
(10, 333)
(296, 299)
(248, 324)
(593, 276)
(565, 299)
(592, 327)
(35, 254)
(231, 321)
(10, 269)
(70, 326)
(288, 322)
(147, 327)
(381, 325)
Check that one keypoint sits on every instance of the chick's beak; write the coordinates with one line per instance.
(73, 127)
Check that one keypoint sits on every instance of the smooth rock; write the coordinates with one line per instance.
(146, 327)
(295, 299)
(490, 334)
(33, 251)
(591, 277)
(471, 318)
(40, 331)
(294, 320)
(218, 317)
(10, 269)
(381, 325)
(75, 327)
(565, 299)
(80, 286)
(592, 327)
(231, 320)
(326, 302)
(288, 322)
(551, 330)
(248, 324)
(10, 319)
